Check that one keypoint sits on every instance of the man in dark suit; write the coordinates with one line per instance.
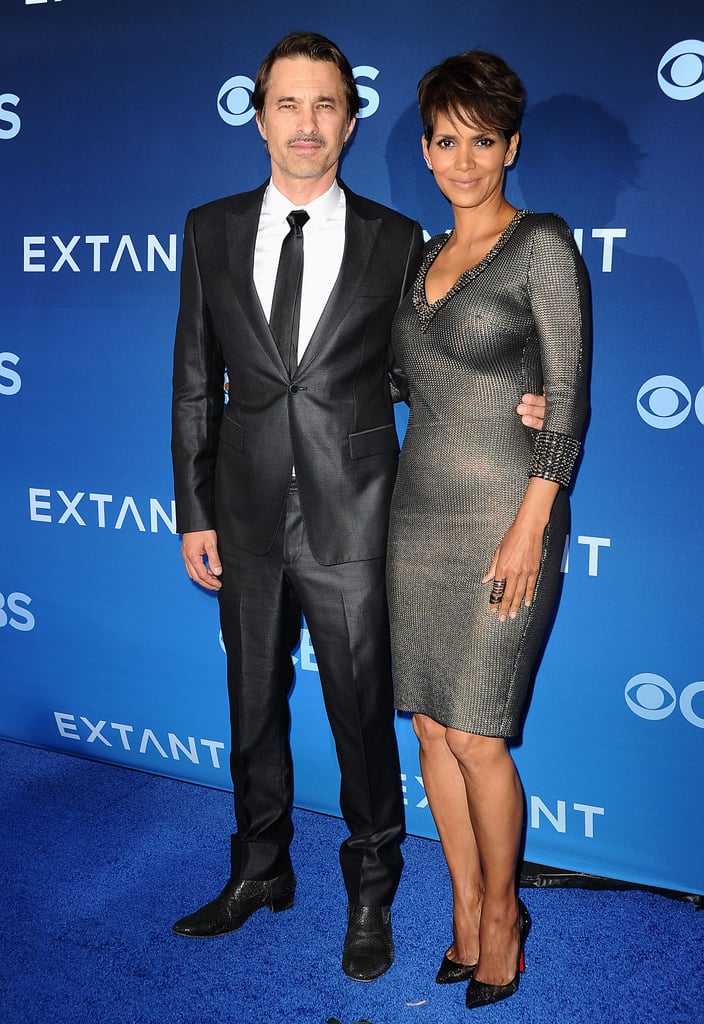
(282, 494)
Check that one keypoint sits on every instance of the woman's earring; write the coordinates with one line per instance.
(428, 164)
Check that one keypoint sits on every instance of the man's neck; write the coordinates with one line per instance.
(301, 191)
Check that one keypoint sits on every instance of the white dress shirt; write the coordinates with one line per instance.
(323, 244)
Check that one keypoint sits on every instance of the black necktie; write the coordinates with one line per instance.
(286, 303)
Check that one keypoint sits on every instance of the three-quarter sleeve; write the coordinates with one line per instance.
(559, 292)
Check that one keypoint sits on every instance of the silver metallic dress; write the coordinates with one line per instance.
(516, 322)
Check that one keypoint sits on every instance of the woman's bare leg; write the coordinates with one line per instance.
(495, 802)
(447, 796)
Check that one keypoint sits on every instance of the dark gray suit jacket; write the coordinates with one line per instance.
(333, 418)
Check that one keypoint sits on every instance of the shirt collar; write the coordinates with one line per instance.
(276, 205)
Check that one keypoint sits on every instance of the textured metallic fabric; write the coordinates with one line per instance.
(517, 321)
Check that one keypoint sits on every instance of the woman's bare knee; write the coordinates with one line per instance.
(428, 730)
(475, 752)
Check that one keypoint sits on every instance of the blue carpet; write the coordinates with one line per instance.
(97, 862)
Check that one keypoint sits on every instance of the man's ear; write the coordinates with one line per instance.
(259, 118)
(350, 128)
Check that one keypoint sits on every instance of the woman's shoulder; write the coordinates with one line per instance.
(548, 240)
(545, 225)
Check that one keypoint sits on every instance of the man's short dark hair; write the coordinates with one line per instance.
(315, 47)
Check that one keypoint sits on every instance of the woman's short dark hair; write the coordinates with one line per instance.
(473, 86)
(315, 47)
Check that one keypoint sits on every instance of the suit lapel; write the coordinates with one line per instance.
(360, 239)
(241, 226)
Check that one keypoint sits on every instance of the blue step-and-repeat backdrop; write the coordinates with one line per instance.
(117, 117)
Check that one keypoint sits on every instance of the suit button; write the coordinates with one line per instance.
(293, 389)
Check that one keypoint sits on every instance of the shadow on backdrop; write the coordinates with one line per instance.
(413, 188)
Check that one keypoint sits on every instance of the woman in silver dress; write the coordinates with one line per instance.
(480, 510)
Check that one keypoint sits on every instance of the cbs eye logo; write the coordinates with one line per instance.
(681, 70)
(235, 97)
(235, 100)
(652, 697)
(665, 402)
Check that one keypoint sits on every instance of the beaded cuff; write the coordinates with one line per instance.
(554, 456)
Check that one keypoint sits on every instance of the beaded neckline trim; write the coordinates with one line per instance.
(426, 310)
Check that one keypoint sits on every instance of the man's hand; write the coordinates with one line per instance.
(531, 409)
(201, 558)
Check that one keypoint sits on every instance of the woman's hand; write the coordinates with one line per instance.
(516, 562)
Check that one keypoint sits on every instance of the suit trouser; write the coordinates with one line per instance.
(261, 601)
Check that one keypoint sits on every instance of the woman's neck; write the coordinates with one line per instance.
(477, 224)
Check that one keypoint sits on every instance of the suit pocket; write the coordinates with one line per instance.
(232, 433)
(377, 441)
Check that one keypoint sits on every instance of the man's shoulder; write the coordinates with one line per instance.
(371, 210)
(236, 203)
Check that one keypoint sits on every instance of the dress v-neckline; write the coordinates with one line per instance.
(425, 309)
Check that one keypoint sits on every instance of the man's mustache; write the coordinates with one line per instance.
(307, 138)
